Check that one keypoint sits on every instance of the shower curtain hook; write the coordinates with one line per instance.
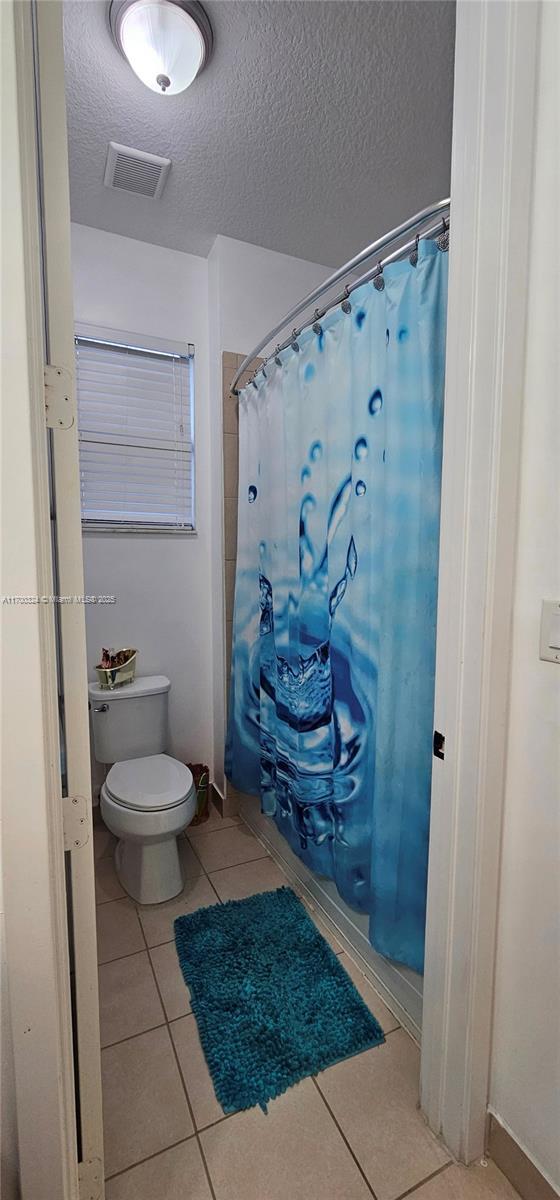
(317, 328)
(294, 342)
(277, 358)
(379, 281)
(413, 260)
(346, 305)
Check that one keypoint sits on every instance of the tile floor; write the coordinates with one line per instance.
(352, 1133)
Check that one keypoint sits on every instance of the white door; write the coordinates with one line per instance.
(41, 105)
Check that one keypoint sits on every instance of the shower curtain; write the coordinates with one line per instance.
(332, 682)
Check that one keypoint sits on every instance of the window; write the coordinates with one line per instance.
(135, 424)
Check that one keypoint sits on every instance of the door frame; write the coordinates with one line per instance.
(49, 894)
(491, 184)
(58, 302)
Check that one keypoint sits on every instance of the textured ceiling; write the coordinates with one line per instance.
(316, 126)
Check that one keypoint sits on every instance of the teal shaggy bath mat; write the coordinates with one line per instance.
(271, 999)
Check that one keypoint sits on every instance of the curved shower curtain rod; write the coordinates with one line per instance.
(414, 223)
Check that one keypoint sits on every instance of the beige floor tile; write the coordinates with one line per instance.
(144, 1104)
(467, 1183)
(107, 886)
(190, 863)
(374, 1002)
(215, 821)
(118, 930)
(157, 919)
(235, 883)
(374, 1099)
(128, 998)
(174, 991)
(323, 928)
(228, 847)
(295, 1152)
(103, 842)
(176, 1174)
(235, 800)
(196, 1075)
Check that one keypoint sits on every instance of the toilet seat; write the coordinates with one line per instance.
(150, 784)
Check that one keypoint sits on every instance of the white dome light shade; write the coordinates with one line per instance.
(164, 44)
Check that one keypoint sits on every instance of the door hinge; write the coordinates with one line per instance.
(75, 821)
(59, 405)
(439, 744)
(90, 1179)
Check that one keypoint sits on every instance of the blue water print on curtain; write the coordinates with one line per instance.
(333, 658)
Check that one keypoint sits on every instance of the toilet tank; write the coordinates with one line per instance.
(130, 721)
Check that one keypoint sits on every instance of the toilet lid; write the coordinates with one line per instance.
(149, 784)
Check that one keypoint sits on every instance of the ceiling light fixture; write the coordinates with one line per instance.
(166, 42)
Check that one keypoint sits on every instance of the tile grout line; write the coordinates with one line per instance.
(410, 1191)
(227, 1116)
(181, 1076)
(246, 862)
(166, 1025)
(130, 1036)
(125, 895)
(148, 1158)
(344, 1139)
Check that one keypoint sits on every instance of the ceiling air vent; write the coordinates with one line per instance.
(136, 171)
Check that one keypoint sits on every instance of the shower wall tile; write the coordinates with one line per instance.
(230, 589)
(230, 527)
(231, 417)
(229, 638)
(231, 466)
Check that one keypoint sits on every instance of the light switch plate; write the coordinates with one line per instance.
(550, 631)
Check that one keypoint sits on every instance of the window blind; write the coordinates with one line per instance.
(135, 424)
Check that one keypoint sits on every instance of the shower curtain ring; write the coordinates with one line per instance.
(294, 342)
(277, 358)
(346, 305)
(317, 328)
(379, 281)
(413, 260)
(442, 241)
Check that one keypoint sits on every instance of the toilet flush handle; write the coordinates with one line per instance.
(101, 708)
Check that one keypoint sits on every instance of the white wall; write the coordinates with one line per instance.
(525, 1085)
(162, 582)
(250, 289)
(170, 588)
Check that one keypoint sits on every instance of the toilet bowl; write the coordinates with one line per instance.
(146, 803)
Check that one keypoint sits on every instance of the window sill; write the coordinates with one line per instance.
(109, 527)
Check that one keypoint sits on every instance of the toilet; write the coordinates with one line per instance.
(148, 798)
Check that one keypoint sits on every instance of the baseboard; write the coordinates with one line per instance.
(217, 799)
(516, 1165)
(228, 805)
